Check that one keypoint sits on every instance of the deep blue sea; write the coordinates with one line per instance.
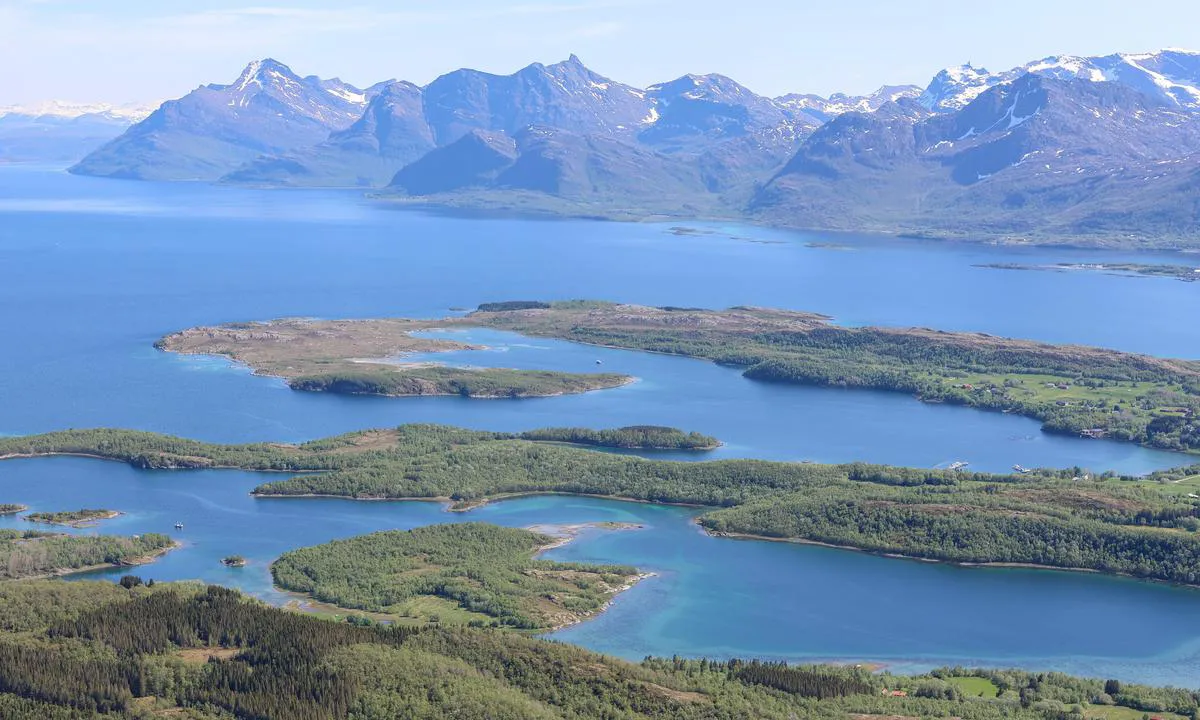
(93, 271)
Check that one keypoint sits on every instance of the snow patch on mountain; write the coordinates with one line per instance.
(1171, 77)
(826, 108)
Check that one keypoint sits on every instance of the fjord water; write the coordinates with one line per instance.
(94, 271)
(710, 596)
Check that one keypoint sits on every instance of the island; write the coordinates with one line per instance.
(84, 649)
(74, 518)
(30, 554)
(1084, 391)
(355, 358)
(12, 508)
(468, 573)
(1186, 273)
(233, 561)
(1069, 519)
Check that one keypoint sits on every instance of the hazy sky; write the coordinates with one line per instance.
(140, 50)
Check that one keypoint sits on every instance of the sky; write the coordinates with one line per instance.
(148, 50)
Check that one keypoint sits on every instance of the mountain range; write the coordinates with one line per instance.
(1095, 150)
(60, 131)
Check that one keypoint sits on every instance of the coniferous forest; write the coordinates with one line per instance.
(75, 651)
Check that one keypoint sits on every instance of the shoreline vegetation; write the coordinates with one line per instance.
(1147, 528)
(341, 358)
(954, 563)
(1076, 390)
(12, 508)
(75, 518)
(468, 574)
(132, 650)
(32, 554)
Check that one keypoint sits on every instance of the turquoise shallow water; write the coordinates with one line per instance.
(710, 596)
(95, 271)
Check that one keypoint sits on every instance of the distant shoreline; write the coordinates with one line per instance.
(939, 561)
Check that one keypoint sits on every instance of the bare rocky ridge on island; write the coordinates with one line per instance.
(367, 358)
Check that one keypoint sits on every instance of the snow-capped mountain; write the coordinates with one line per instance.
(63, 110)
(825, 108)
(565, 95)
(1038, 155)
(1171, 77)
(215, 129)
(704, 108)
(1064, 145)
(57, 131)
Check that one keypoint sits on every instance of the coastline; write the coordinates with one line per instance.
(628, 380)
(468, 505)
(566, 533)
(132, 562)
(108, 458)
(938, 561)
(161, 345)
(473, 207)
(472, 505)
(78, 524)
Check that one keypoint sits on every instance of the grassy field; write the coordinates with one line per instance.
(1043, 388)
(975, 686)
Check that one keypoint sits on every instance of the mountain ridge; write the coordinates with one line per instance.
(972, 154)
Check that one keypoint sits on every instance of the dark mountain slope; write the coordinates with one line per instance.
(1034, 157)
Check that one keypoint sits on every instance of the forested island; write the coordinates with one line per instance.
(1065, 519)
(353, 358)
(469, 573)
(12, 508)
(1078, 390)
(72, 518)
(32, 553)
(69, 651)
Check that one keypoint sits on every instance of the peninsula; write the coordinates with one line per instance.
(1186, 273)
(30, 553)
(1078, 390)
(1145, 528)
(469, 573)
(367, 358)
